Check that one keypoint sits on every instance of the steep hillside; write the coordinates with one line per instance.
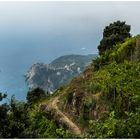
(58, 73)
(105, 100)
(101, 102)
(79, 60)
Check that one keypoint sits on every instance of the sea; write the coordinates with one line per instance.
(19, 53)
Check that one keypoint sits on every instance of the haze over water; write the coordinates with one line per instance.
(33, 32)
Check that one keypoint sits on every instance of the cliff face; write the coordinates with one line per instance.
(58, 73)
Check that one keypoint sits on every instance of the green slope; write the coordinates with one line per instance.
(105, 100)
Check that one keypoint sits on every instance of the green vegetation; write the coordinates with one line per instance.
(119, 53)
(119, 87)
(103, 102)
(35, 95)
(19, 120)
(109, 99)
(114, 33)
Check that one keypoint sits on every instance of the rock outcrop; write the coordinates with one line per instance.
(58, 73)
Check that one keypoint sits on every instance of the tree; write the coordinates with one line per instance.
(114, 33)
(35, 95)
(20, 121)
(2, 96)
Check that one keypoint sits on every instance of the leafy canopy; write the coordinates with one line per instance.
(112, 34)
(35, 95)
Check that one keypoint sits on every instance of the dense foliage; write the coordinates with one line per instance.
(109, 99)
(129, 50)
(104, 101)
(119, 87)
(35, 95)
(114, 33)
(19, 120)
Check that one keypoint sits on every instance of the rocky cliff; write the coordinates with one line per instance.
(58, 73)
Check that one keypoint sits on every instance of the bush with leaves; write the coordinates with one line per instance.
(114, 33)
(47, 128)
(119, 86)
(35, 95)
(116, 127)
(15, 121)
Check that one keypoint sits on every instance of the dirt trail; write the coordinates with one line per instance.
(71, 125)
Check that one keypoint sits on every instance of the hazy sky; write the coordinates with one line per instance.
(66, 26)
(33, 32)
(42, 31)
